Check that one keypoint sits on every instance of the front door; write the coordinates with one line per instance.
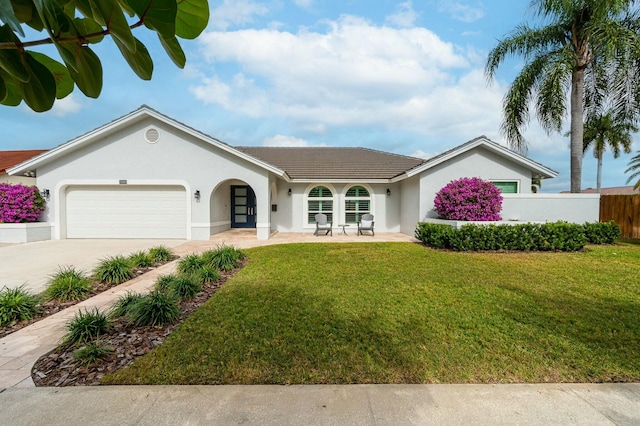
(243, 207)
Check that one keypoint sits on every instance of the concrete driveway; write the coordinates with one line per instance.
(31, 264)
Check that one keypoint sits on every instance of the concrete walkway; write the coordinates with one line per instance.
(325, 405)
(23, 404)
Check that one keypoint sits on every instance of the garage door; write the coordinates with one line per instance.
(126, 212)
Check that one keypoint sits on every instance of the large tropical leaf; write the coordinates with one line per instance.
(39, 92)
(86, 71)
(174, 50)
(8, 16)
(139, 61)
(192, 18)
(64, 82)
(159, 15)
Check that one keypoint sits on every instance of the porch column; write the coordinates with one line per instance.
(263, 208)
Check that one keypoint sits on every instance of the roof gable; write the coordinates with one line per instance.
(133, 117)
(484, 142)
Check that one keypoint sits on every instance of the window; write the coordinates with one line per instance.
(357, 202)
(320, 200)
(507, 187)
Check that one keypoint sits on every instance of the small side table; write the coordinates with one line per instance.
(344, 226)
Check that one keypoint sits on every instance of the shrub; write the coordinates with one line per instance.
(185, 287)
(602, 232)
(17, 304)
(155, 308)
(114, 270)
(92, 352)
(86, 326)
(140, 259)
(123, 305)
(223, 257)
(558, 236)
(469, 199)
(160, 254)
(20, 204)
(434, 234)
(190, 264)
(67, 284)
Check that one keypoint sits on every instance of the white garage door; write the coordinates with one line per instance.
(126, 212)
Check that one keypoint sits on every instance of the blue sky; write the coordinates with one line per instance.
(405, 77)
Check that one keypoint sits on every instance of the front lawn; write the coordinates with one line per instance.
(403, 313)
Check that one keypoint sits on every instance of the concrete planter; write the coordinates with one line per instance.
(24, 232)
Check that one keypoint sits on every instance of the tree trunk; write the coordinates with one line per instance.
(577, 128)
(599, 174)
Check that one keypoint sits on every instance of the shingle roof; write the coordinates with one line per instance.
(329, 163)
(9, 159)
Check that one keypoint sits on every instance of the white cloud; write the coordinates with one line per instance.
(404, 17)
(355, 73)
(236, 13)
(461, 11)
(287, 141)
(421, 154)
(66, 106)
(305, 4)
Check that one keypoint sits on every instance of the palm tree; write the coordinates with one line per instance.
(605, 129)
(634, 166)
(586, 49)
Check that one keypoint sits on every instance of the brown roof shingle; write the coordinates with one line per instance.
(9, 159)
(329, 163)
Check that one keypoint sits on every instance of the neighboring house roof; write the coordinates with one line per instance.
(9, 159)
(141, 113)
(538, 170)
(614, 190)
(328, 163)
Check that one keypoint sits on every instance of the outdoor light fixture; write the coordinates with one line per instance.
(388, 192)
(289, 192)
(45, 194)
(196, 195)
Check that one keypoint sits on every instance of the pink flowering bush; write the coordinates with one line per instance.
(469, 199)
(20, 204)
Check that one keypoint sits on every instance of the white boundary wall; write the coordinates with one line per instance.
(574, 208)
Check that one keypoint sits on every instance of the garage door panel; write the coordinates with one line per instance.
(126, 212)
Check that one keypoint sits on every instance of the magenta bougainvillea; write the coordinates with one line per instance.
(20, 204)
(469, 199)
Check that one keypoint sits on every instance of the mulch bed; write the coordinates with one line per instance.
(53, 306)
(60, 368)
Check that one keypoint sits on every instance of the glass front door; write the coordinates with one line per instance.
(243, 207)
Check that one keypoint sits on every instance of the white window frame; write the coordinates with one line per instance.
(345, 199)
(333, 198)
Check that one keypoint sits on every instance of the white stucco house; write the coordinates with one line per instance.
(145, 175)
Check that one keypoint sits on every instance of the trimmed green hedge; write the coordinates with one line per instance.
(556, 236)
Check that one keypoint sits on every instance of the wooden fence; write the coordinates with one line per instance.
(623, 210)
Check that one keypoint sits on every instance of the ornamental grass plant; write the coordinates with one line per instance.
(86, 326)
(160, 254)
(223, 257)
(17, 304)
(67, 284)
(114, 270)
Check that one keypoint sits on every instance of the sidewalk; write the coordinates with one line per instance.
(555, 404)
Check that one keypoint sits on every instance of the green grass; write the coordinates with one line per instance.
(402, 313)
